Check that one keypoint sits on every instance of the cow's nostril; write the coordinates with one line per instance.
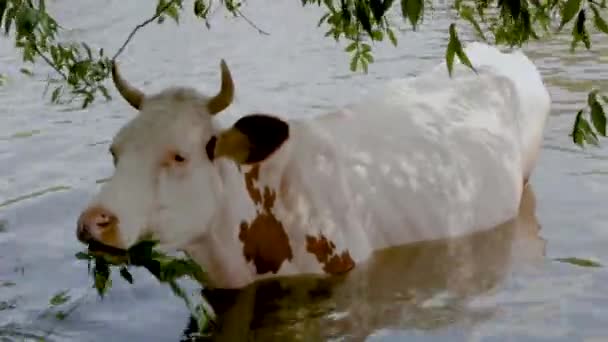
(83, 234)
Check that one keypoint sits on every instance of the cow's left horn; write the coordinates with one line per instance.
(223, 99)
(128, 92)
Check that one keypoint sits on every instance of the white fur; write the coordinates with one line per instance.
(421, 158)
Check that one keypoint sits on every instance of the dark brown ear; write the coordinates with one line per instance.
(252, 139)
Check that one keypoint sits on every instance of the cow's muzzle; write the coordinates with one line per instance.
(99, 225)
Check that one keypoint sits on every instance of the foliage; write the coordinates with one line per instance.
(166, 269)
(81, 70)
(579, 262)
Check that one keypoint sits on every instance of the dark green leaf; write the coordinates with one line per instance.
(579, 262)
(600, 23)
(578, 136)
(88, 50)
(363, 17)
(391, 36)
(450, 52)
(467, 14)
(598, 118)
(10, 16)
(323, 18)
(569, 10)
(377, 8)
(200, 8)
(351, 47)
(414, 11)
(364, 65)
(104, 92)
(353, 63)
(377, 35)
(59, 298)
(80, 255)
(172, 11)
(3, 4)
(26, 71)
(124, 272)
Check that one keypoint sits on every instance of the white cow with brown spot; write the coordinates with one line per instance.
(423, 158)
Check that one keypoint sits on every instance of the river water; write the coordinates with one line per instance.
(501, 286)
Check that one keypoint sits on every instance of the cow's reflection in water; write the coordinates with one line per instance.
(398, 288)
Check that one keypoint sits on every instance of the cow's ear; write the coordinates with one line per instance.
(252, 139)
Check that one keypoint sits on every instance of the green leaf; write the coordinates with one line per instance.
(353, 63)
(600, 23)
(578, 135)
(323, 18)
(368, 57)
(59, 298)
(414, 11)
(455, 48)
(377, 8)
(579, 262)
(82, 255)
(598, 117)
(363, 17)
(588, 134)
(172, 12)
(569, 11)
(200, 9)
(26, 71)
(450, 52)
(377, 35)
(3, 4)
(351, 47)
(391, 36)
(467, 14)
(10, 16)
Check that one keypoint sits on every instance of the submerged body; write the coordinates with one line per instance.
(422, 158)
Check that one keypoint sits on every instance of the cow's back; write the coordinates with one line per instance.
(423, 158)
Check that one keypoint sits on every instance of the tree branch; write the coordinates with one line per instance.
(251, 23)
(49, 62)
(158, 14)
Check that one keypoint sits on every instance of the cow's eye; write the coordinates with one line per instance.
(179, 158)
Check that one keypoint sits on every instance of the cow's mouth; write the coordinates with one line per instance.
(96, 247)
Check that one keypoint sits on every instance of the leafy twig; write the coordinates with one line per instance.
(148, 21)
(49, 62)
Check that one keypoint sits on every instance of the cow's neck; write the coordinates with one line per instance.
(246, 239)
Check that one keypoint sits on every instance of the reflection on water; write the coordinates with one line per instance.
(501, 285)
(423, 286)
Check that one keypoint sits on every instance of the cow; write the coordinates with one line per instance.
(419, 159)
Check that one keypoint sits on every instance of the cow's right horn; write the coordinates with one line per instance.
(128, 92)
(224, 98)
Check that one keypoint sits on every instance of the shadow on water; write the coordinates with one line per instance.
(422, 286)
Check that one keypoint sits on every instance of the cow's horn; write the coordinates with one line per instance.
(223, 99)
(129, 93)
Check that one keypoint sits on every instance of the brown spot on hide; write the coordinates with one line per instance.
(325, 251)
(265, 242)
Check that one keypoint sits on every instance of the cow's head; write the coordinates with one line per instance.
(166, 183)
